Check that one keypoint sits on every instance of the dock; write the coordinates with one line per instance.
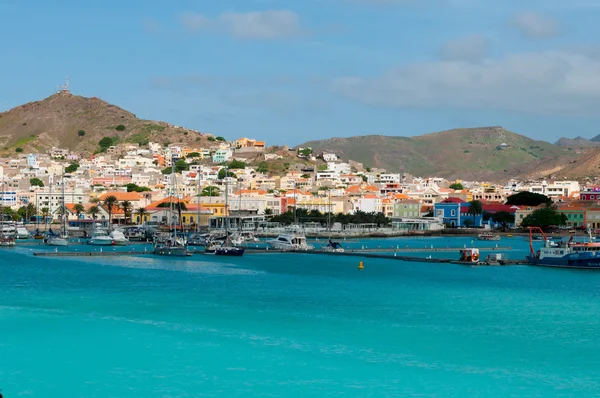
(375, 253)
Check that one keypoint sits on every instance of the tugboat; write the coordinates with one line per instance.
(571, 254)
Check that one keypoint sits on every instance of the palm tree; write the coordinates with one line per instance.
(94, 200)
(110, 202)
(127, 209)
(79, 209)
(141, 213)
(475, 209)
(93, 211)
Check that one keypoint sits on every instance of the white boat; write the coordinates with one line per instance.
(333, 247)
(7, 241)
(22, 233)
(290, 241)
(100, 238)
(57, 241)
(239, 238)
(488, 236)
(119, 238)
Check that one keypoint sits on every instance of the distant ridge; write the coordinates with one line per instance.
(475, 153)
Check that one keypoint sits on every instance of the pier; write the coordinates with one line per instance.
(375, 253)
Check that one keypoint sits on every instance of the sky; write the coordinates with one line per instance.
(289, 71)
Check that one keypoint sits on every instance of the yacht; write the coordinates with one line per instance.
(488, 236)
(100, 237)
(118, 238)
(171, 246)
(290, 241)
(22, 233)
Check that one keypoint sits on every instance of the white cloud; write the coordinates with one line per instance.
(193, 21)
(470, 48)
(547, 83)
(271, 24)
(535, 25)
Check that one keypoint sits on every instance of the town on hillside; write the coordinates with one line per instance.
(132, 184)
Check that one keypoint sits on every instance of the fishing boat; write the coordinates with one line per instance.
(571, 254)
(171, 244)
(37, 234)
(488, 236)
(470, 255)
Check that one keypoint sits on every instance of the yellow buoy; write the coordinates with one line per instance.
(360, 265)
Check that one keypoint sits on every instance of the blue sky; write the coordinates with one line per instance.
(291, 71)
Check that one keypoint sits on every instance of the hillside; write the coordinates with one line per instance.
(474, 153)
(578, 143)
(57, 121)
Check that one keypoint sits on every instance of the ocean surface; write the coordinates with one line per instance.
(295, 325)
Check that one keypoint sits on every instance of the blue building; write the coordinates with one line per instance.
(449, 210)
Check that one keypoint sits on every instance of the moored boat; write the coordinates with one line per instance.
(290, 241)
(488, 236)
(571, 254)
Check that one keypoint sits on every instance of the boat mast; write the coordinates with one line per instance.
(226, 203)
(198, 202)
(2, 211)
(329, 214)
(64, 226)
(240, 206)
(173, 222)
(295, 205)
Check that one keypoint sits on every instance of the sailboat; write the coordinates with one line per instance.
(227, 248)
(6, 239)
(172, 244)
(61, 239)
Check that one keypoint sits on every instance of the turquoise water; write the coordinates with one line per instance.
(295, 325)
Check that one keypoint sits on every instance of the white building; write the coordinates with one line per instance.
(222, 155)
(556, 189)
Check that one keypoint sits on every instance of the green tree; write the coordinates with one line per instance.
(263, 167)
(306, 152)
(193, 155)
(307, 176)
(81, 133)
(110, 202)
(237, 164)
(141, 213)
(120, 127)
(131, 187)
(93, 211)
(79, 209)
(544, 218)
(458, 186)
(225, 173)
(504, 218)
(268, 212)
(106, 143)
(19, 150)
(528, 199)
(475, 209)
(210, 191)
(71, 168)
(211, 138)
(219, 138)
(127, 208)
(36, 182)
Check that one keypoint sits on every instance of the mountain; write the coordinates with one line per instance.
(473, 153)
(578, 142)
(78, 123)
(596, 138)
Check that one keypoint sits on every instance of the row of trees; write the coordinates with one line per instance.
(303, 215)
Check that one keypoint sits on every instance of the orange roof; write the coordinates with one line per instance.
(121, 196)
(400, 196)
(354, 189)
(371, 188)
(370, 196)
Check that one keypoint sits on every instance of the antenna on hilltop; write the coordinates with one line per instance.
(63, 89)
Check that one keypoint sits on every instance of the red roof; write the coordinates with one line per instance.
(453, 200)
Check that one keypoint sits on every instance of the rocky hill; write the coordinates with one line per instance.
(474, 153)
(78, 123)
